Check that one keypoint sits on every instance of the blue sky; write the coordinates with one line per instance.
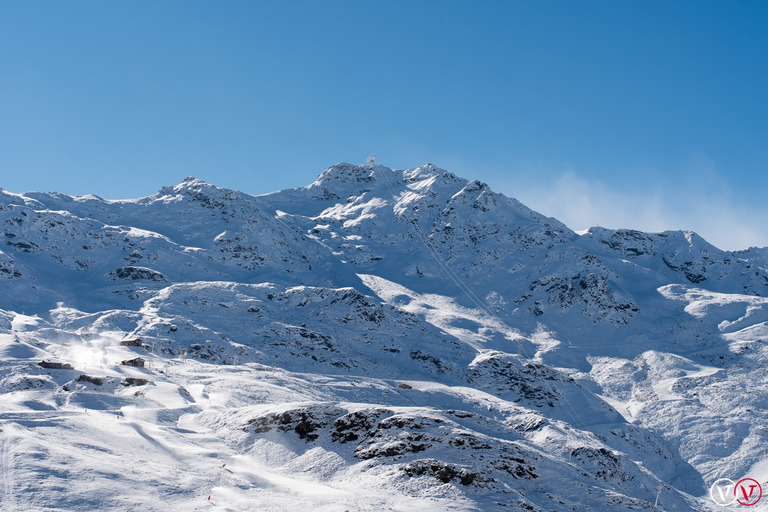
(651, 115)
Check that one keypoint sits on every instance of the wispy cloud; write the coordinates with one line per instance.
(704, 205)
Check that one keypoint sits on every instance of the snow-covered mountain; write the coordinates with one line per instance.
(377, 340)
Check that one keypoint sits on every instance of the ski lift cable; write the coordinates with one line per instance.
(472, 296)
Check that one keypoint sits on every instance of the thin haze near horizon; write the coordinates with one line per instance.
(647, 115)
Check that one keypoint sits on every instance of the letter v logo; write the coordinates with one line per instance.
(722, 492)
(748, 492)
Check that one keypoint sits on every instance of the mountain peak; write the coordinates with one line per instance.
(198, 189)
(192, 183)
(428, 171)
(345, 172)
(371, 172)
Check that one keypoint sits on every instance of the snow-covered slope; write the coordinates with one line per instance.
(377, 340)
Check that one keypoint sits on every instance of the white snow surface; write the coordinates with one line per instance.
(381, 340)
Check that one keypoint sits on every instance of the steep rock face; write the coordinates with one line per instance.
(438, 231)
(434, 232)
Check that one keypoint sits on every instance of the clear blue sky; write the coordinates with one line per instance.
(645, 114)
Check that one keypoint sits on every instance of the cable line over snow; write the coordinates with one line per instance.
(463, 286)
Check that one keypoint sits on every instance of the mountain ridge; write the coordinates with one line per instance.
(411, 332)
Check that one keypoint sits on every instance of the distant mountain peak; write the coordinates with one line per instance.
(192, 183)
(345, 172)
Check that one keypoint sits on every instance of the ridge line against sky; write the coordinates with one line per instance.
(647, 115)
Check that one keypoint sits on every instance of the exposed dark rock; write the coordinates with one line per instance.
(93, 380)
(444, 472)
(52, 365)
(131, 273)
(133, 381)
(133, 362)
